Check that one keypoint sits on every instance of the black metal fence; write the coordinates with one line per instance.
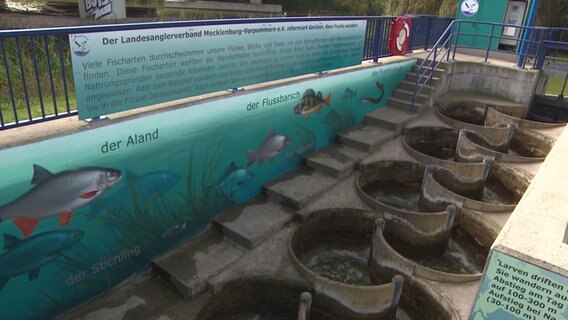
(36, 77)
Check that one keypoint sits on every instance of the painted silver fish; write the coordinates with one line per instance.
(233, 179)
(28, 255)
(272, 145)
(57, 194)
(174, 231)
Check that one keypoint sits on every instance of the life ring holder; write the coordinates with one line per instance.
(399, 41)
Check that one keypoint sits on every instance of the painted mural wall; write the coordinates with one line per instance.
(81, 213)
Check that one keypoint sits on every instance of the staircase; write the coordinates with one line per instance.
(233, 235)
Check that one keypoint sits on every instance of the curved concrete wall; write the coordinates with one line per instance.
(482, 78)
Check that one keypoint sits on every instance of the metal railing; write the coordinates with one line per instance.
(426, 30)
(550, 103)
(531, 38)
(36, 78)
(486, 37)
(425, 70)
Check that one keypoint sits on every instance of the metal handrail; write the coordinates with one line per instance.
(449, 41)
(429, 63)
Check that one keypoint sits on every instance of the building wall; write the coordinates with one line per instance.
(476, 35)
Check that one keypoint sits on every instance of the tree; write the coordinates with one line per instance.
(366, 7)
(448, 8)
(552, 13)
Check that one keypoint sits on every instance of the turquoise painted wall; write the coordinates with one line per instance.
(109, 199)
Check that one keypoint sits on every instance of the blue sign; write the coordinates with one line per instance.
(123, 70)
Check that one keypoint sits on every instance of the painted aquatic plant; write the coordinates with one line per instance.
(147, 221)
(303, 142)
(338, 120)
(200, 197)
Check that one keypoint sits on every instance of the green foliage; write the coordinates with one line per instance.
(553, 13)
(331, 7)
(448, 8)
(35, 76)
(445, 8)
(555, 85)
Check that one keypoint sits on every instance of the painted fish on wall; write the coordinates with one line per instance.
(348, 94)
(148, 185)
(57, 194)
(311, 102)
(272, 146)
(29, 255)
(378, 99)
(232, 180)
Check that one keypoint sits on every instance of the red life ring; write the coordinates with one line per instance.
(399, 42)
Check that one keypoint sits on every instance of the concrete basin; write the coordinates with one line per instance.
(260, 298)
(461, 261)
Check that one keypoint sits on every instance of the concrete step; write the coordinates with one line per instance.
(389, 118)
(411, 76)
(189, 267)
(427, 70)
(405, 104)
(253, 222)
(336, 160)
(297, 188)
(409, 86)
(441, 64)
(367, 138)
(407, 95)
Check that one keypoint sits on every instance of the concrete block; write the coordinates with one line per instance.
(189, 267)
(269, 259)
(367, 138)
(429, 118)
(298, 188)
(251, 223)
(410, 85)
(389, 118)
(336, 160)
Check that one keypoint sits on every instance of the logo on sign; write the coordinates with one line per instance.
(80, 45)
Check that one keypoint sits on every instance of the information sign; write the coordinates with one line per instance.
(513, 289)
(123, 70)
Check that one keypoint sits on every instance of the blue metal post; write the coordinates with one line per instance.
(489, 45)
(377, 42)
(529, 22)
(428, 32)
